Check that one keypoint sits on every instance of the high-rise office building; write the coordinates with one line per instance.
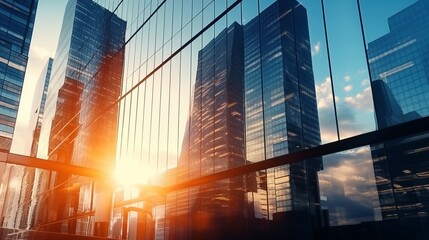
(16, 29)
(44, 78)
(400, 83)
(400, 165)
(85, 81)
(186, 172)
(214, 140)
(399, 58)
(281, 111)
(86, 78)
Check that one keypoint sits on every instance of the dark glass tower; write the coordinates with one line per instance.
(400, 58)
(86, 80)
(214, 142)
(281, 113)
(400, 83)
(254, 94)
(16, 28)
(400, 165)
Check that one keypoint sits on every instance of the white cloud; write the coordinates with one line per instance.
(324, 94)
(347, 78)
(348, 180)
(364, 82)
(350, 111)
(362, 101)
(315, 49)
(348, 88)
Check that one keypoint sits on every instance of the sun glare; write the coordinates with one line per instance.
(132, 173)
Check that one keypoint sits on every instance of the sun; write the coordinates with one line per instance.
(129, 173)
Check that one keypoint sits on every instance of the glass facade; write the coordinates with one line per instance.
(85, 81)
(279, 83)
(16, 29)
(398, 65)
(231, 119)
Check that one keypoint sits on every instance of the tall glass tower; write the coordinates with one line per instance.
(400, 59)
(400, 82)
(254, 95)
(281, 111)
(16, 29)
(214, 140)
(86, 80)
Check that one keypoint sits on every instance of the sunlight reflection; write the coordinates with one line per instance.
(128, 173)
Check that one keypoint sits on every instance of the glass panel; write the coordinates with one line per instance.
(395, 39)
(45, 200)
(349, 69)
(182, 118)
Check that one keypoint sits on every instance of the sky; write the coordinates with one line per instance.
(46, 32)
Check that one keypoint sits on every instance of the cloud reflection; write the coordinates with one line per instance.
(348, 185)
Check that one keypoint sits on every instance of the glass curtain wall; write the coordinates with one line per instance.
(247, 119)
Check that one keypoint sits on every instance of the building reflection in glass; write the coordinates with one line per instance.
(86, 80)
(400, 82)
(262, 71)
(214, 142)
(17, 21)
(281, 115)
(16, 30)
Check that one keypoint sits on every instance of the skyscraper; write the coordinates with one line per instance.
(272, 55)
(44, 78)
(281, 112)
(16, 28)
(214, 139)
(217, 96)
(399, 67)
(16, 24)
(86, 80)
(400, 59)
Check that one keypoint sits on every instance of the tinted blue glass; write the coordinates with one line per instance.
(194, 97)
(17, 19)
